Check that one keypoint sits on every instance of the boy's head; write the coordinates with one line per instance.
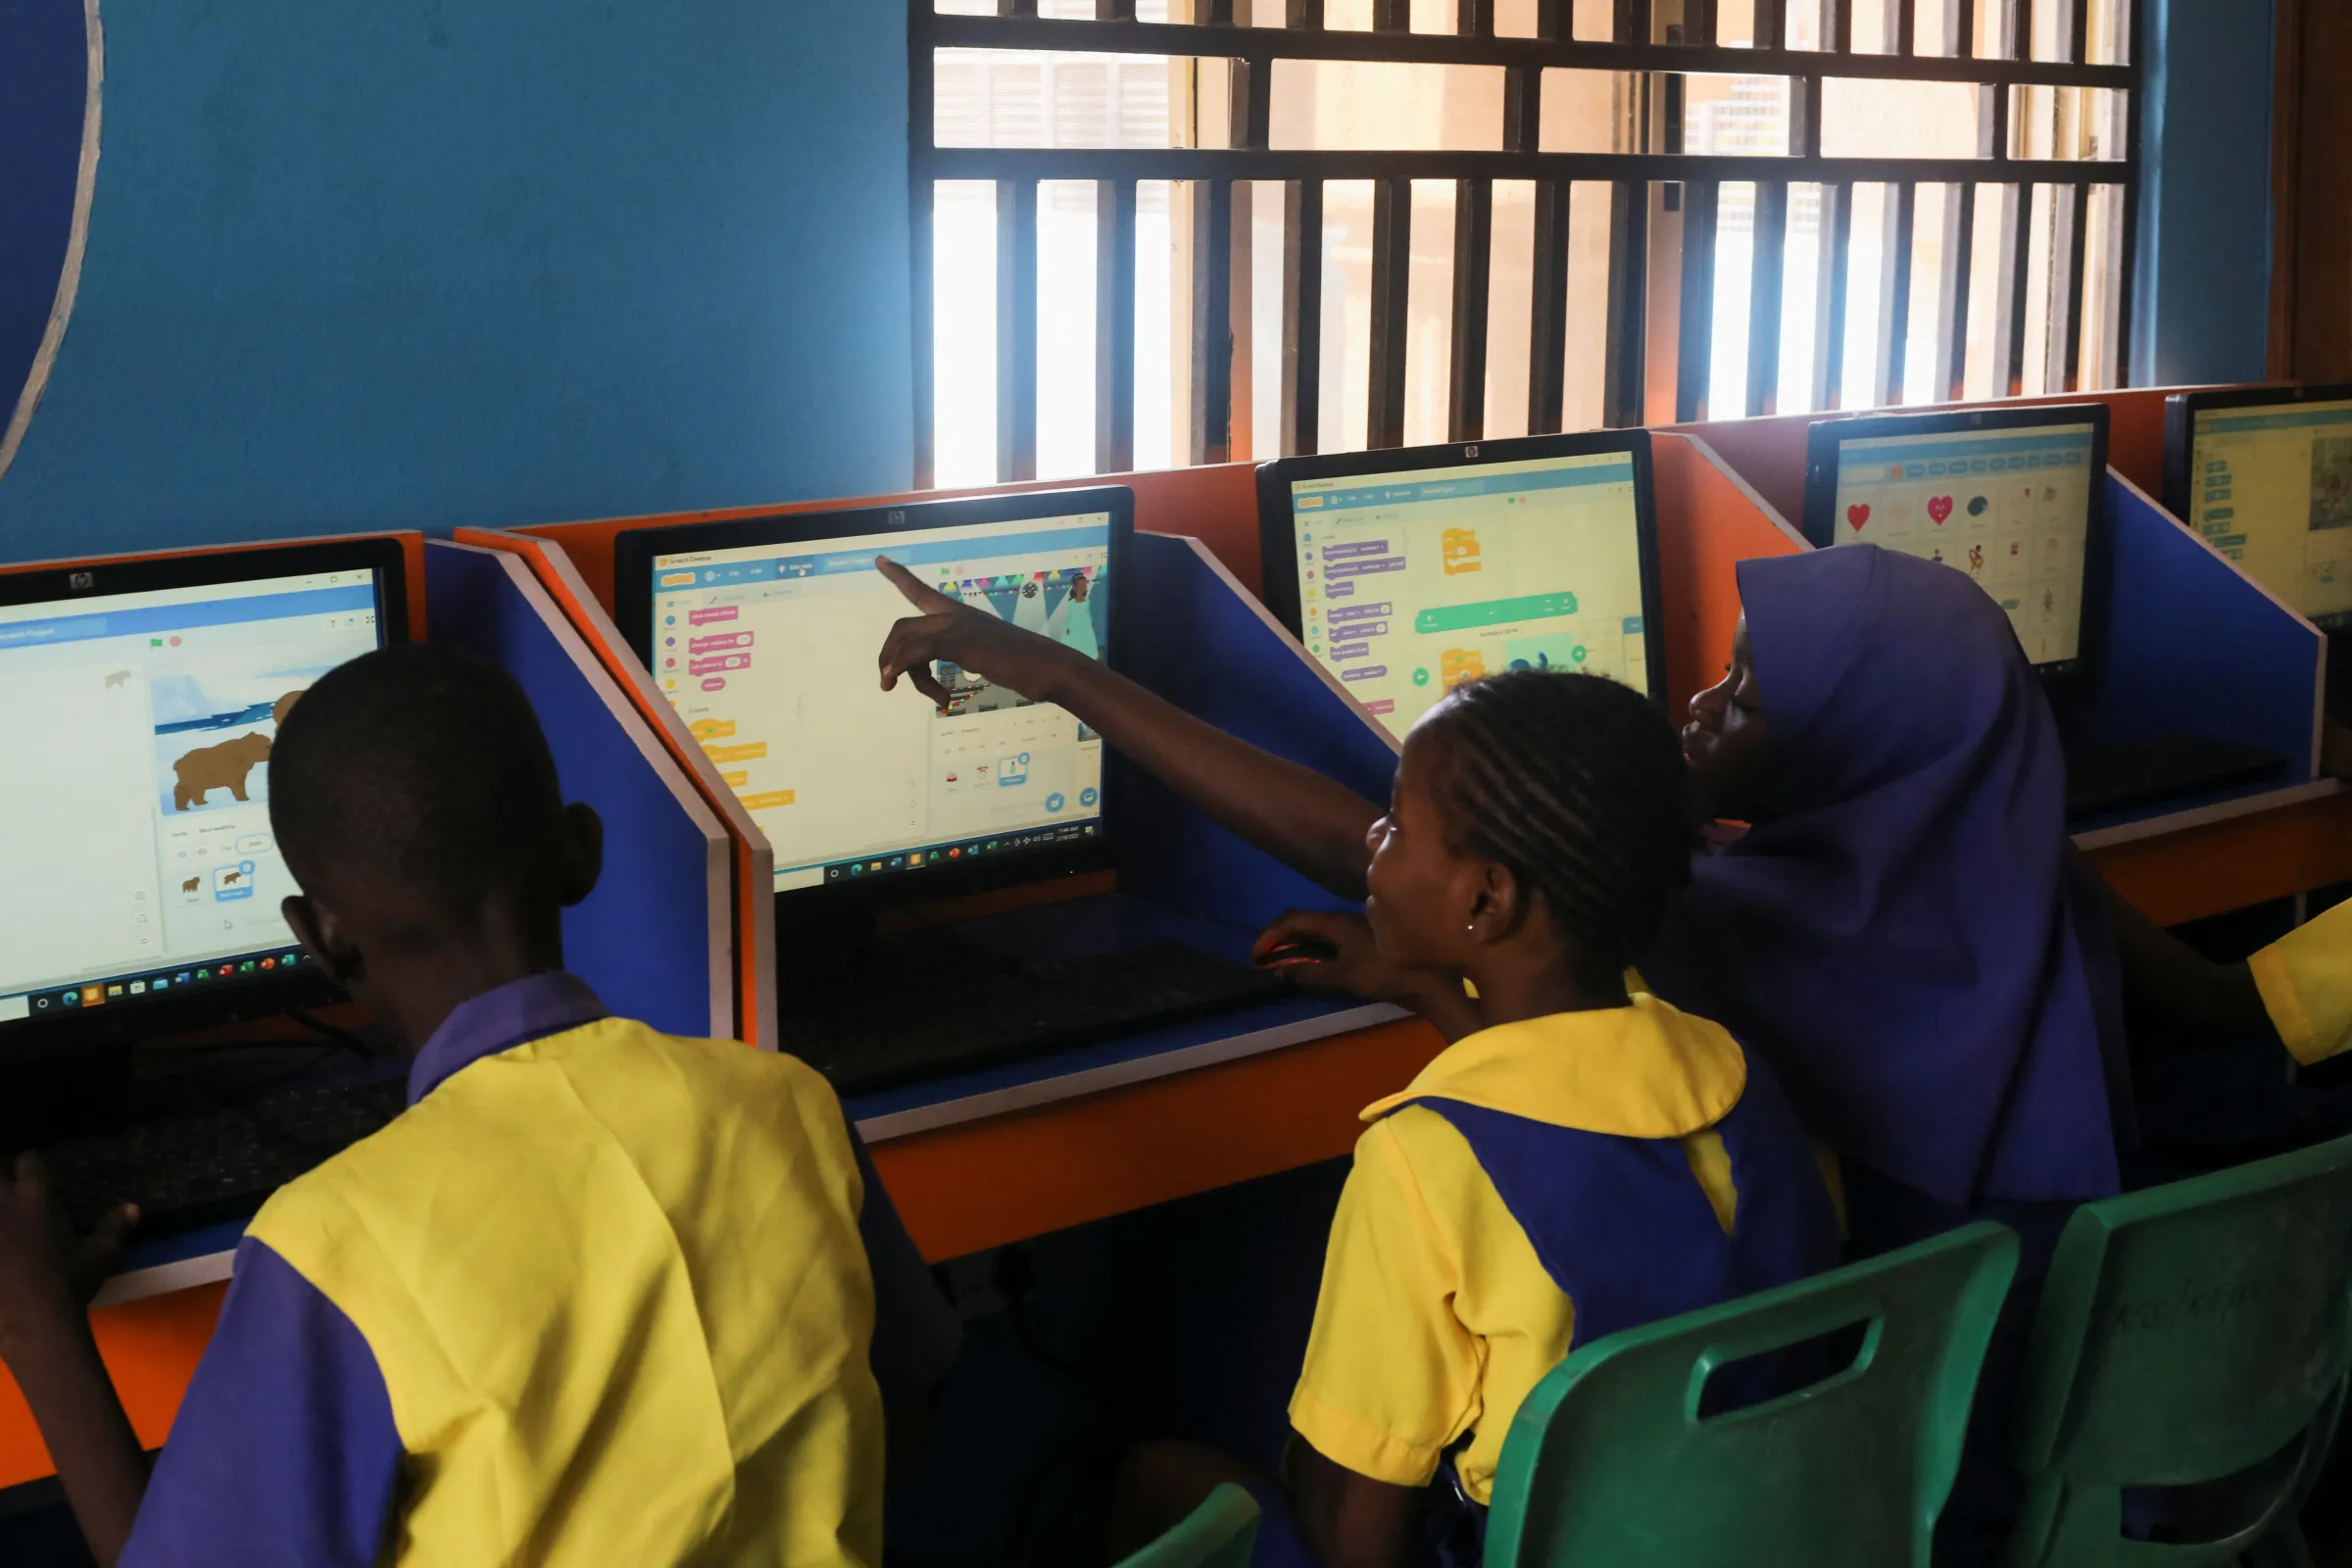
(415, 800)
(1533, 806)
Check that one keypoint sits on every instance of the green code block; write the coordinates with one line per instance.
(1494, 612)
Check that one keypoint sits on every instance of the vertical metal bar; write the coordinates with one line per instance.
(1902, 26)
(1764, 297)
(1392, 15)
(1114, 10)
(1301, 316)
(1624, 381)
(2066, 338)
(1829, 315)
(1631, 22)
(1951, 294)
(2128, 268)
(2010, 21)
(1016, 8)
(1392, 262)
(2009, 319)
(1548, 311)
(1253, 103)
(1211, 419)
(920, 202)
(1698, 21)
(1114, 325)
(1772, 24)
(1961, 27)
(2076, 45)
(1213, 12)
(1016, 329)
(1895, 294)
(1475, 19)
(1694, 342)
(1303, 16)
(1473, 247)
(1839, 31)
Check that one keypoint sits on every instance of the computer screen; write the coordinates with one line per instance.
(2011, 506)
(768, 653)
(2269, 486)
(135, 806)
(1413, 579)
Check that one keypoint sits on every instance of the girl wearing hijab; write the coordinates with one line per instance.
(1904, 931)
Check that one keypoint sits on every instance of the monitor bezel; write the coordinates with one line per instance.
(2064, 677)
(1278, 552)
(633, 553)
(67, 583)
(2180, 410)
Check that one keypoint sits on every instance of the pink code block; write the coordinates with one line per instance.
(724, 639)
(707, 666)
(702, 618)
(715, 684)
(1382, 709)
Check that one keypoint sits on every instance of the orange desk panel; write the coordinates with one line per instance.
(1006, 1179)
(2231, 864)
(150, 1347)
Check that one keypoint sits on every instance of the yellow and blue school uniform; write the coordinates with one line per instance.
(2306, 983)
(598, 1296)
(1539, 1186)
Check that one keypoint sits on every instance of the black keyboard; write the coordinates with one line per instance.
(193, 1171)
(924, 1007)
(2111, 778)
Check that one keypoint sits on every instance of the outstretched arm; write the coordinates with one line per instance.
(1294, 814)
(2173, 992)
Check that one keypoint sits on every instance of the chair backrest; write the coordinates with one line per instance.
(2186, 1334)
(1216, 1535)
(1611, 1461)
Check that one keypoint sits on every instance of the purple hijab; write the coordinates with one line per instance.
(1905, 938)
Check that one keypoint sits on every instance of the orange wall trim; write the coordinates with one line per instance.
(2233, 863)
(151, 1349)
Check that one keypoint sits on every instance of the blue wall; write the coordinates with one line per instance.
(2202, 312)
(426, 263)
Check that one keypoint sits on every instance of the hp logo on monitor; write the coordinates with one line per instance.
(898, 518)
(82, 581)
(1470, 451)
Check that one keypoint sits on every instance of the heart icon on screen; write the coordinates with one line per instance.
(1857, 515)
(1940, 507)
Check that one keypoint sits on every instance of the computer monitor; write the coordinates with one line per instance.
(2265, 473)
(139, 697)
(1405, 572)
(763, 633)
(2014, 497)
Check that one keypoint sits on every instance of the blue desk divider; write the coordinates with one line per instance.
(2194, 647)
(1198, 638)
(655, 939)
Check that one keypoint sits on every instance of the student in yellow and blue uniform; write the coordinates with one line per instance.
(2305, 982)
(1580, 1161)
(598, 1296)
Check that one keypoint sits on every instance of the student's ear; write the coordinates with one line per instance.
(1497, 908)
(320, 930)
(583, 851)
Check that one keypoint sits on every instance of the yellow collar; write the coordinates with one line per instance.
(1641, 1071)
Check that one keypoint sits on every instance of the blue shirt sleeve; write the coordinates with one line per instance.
(284, 1449)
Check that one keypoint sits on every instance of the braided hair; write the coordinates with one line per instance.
(1577, 784)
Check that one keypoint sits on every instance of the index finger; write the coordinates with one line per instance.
(919, 593)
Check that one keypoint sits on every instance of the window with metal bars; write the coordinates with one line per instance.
(1150, 232)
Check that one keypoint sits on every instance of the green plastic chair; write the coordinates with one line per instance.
(1609, 1461)
(1216, 1535)
(2198, 1332)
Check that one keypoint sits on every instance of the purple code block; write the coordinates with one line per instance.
(1350, 649)
(1339, 590)
(1355, 548)
(1367, 673)
(1362, 612)
(1364, 568)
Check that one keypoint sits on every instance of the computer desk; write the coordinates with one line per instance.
(1221, 1108)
